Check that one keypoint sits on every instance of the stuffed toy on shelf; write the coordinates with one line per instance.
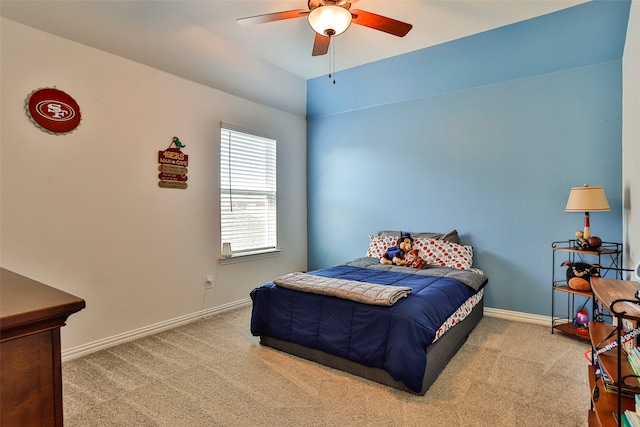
(579, 274)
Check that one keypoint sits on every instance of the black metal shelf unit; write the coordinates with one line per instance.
(609, 258)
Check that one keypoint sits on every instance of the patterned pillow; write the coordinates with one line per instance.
(451, 236)
(445, 254)
(379, 244)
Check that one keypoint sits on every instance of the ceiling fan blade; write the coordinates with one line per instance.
(270, 17)
(321, 45)
(381, 23)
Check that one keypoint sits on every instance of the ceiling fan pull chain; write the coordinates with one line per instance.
(330, 50)
(332, 59)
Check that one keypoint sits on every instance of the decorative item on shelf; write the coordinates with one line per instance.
(587, 199)
(636, 271)
(581, 321)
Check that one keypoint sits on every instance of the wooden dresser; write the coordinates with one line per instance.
(31, 315)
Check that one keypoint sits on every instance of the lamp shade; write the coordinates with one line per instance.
(329, 20)
(587, 199)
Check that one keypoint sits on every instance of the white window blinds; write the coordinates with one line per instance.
(247, 191)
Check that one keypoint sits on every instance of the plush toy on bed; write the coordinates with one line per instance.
(413, 260)
(579, 274)
(396, 254)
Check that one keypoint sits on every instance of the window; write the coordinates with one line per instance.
(247, 191)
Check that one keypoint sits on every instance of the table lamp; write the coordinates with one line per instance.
(587, 199)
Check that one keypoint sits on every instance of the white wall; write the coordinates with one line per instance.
(83, 212)
(631, 137)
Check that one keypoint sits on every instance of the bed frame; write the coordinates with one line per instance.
(438, 354)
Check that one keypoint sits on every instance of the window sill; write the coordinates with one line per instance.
(249, 256)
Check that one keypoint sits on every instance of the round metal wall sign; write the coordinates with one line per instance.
(53, 111)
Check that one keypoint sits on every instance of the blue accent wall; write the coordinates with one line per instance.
(485, 134)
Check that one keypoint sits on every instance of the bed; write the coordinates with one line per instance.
(394, 325)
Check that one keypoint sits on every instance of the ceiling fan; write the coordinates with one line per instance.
(330, 18)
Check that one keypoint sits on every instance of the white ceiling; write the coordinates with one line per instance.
(184, 37)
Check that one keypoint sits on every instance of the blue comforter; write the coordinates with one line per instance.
(392, 338)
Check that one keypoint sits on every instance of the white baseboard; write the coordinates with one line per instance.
(517, 316)
(102, 344)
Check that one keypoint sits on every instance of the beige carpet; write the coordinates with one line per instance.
(214, 373)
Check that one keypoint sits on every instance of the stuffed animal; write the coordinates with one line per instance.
(579, 274)
(413, 260)
(396, 254)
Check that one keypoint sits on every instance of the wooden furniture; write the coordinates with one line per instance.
(607, 406)
(609, 256)
(31, 315)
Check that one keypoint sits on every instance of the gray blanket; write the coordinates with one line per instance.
(475, 279)
(367, 293)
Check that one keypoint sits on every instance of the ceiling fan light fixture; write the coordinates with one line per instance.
(329, 20)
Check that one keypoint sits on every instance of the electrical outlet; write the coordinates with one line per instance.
(210, 282)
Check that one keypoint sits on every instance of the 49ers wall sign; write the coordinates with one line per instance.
(53, 111)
